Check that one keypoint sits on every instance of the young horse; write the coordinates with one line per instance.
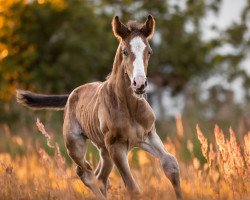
(113, 114)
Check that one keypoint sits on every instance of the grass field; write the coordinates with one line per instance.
(224, 172)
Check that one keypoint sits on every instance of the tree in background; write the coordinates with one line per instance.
(53, 46)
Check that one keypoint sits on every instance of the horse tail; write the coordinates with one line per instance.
(41, 101)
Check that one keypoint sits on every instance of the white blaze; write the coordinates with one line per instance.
(137, 47)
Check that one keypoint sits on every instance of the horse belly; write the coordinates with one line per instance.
(87, 108)
(96, 136)
(91, 128)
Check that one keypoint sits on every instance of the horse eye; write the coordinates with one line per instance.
(125, 52)
(150, 52)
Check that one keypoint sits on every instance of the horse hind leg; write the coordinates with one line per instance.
(76, 146)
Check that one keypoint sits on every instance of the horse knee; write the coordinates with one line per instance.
(171, 168)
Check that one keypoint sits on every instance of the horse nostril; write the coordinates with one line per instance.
(142, 87)
(134, 83)
(146, 83)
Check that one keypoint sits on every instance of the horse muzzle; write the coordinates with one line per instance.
(139, 84)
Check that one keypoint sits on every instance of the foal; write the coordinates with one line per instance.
(113, 114)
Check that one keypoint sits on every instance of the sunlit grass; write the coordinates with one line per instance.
(224, 175)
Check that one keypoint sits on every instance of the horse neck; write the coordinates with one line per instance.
(117, 63)
(120, 81)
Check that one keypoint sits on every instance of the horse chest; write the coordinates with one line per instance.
(139, 127)
(137, 132)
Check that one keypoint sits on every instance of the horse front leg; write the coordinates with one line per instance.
(104, 169)
(119, 154)
(154, 146)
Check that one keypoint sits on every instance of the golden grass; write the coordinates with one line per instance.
(224, 175)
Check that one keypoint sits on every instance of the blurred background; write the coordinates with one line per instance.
(199, 72)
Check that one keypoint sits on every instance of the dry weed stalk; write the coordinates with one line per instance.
(60, 160)
(203, 141)
(247, 151)
(179, 126)
(227, 162)
(41, 128)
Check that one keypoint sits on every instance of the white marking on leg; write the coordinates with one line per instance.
(138, 47)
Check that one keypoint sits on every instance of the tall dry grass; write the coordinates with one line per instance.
(224, 175)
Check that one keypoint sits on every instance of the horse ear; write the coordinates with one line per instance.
(119, 29)
(148, 27)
